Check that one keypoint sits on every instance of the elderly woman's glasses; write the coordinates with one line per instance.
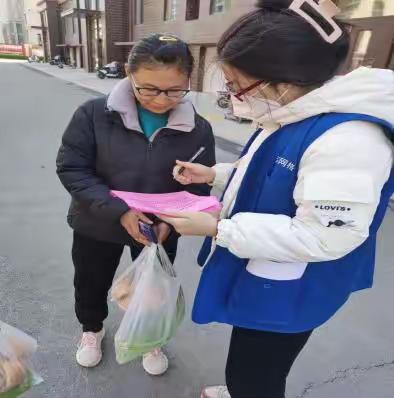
(155, 92)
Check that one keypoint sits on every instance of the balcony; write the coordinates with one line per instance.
(83, 5)
(80, 11)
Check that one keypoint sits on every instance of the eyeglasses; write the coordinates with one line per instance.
(155, 92)
(239, 94)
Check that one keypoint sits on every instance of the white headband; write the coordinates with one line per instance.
(327, 9)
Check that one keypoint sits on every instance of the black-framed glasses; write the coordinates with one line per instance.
(155, 92)
(239, 94)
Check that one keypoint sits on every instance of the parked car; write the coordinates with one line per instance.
(114, 70)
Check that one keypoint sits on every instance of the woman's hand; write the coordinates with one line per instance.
(193, 223)
(130, 220)
(162, 231)
(193, 173)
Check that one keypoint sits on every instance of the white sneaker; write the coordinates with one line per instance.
(216, 392)
(155, 362)
(89, 352)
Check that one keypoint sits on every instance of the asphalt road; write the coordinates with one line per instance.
(351, 357)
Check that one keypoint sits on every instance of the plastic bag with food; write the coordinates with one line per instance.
(123, 287)
(16, 374)
(152, 296)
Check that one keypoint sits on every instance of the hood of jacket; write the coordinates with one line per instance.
(364, 91)
(122, 100)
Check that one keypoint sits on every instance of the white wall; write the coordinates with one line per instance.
(213, 77)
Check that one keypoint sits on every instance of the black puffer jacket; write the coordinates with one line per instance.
(99, 153)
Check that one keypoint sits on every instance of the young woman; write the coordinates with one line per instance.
(128, 141)
(302, 207)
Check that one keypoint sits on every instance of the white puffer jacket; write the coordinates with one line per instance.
(345, 168)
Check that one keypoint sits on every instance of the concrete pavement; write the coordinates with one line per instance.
(205, 103)
(351, 357)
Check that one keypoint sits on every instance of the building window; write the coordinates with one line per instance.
(19, 33)
(92, 5)
(218, 6)
(73, 24)
(378, 8)
(139, 12)
(192, 9)
(170, 10)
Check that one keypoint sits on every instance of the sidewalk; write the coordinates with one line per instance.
(205, 103)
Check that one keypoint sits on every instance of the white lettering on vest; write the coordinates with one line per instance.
(285, 163)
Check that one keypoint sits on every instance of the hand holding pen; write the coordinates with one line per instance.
(193, 173)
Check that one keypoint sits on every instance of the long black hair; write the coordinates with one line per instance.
(161, 49)
(274, 44)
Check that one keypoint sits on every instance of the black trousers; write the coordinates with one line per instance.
(259, 362)
(95, 264)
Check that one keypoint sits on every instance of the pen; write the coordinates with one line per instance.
(192, 159)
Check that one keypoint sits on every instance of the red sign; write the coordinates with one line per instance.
(11, 49)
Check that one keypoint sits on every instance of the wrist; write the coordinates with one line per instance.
(211, 178)
(215, 231)
(126, 214)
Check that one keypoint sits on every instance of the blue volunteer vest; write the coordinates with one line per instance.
(228, 293)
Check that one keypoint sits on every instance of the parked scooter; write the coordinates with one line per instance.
(114, 70)
(224, 102)
(56, 60)
(71, 64)
(34, 58)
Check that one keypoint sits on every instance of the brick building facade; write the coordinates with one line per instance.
(201, 22)
(372, 33)
(99, 31)
(85, 31)
(118, 20)
(50, 27)
(198, 22)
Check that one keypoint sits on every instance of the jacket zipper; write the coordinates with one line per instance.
(150, 142)
(149, 150)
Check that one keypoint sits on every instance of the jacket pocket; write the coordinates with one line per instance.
(73, 213)
(259, 300)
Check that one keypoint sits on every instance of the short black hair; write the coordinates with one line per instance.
(274, 44)
(161, 49)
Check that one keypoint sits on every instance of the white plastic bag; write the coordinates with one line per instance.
(156, 305)
(16, 375)
(123, 288)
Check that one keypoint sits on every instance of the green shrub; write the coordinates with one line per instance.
(12, 56)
